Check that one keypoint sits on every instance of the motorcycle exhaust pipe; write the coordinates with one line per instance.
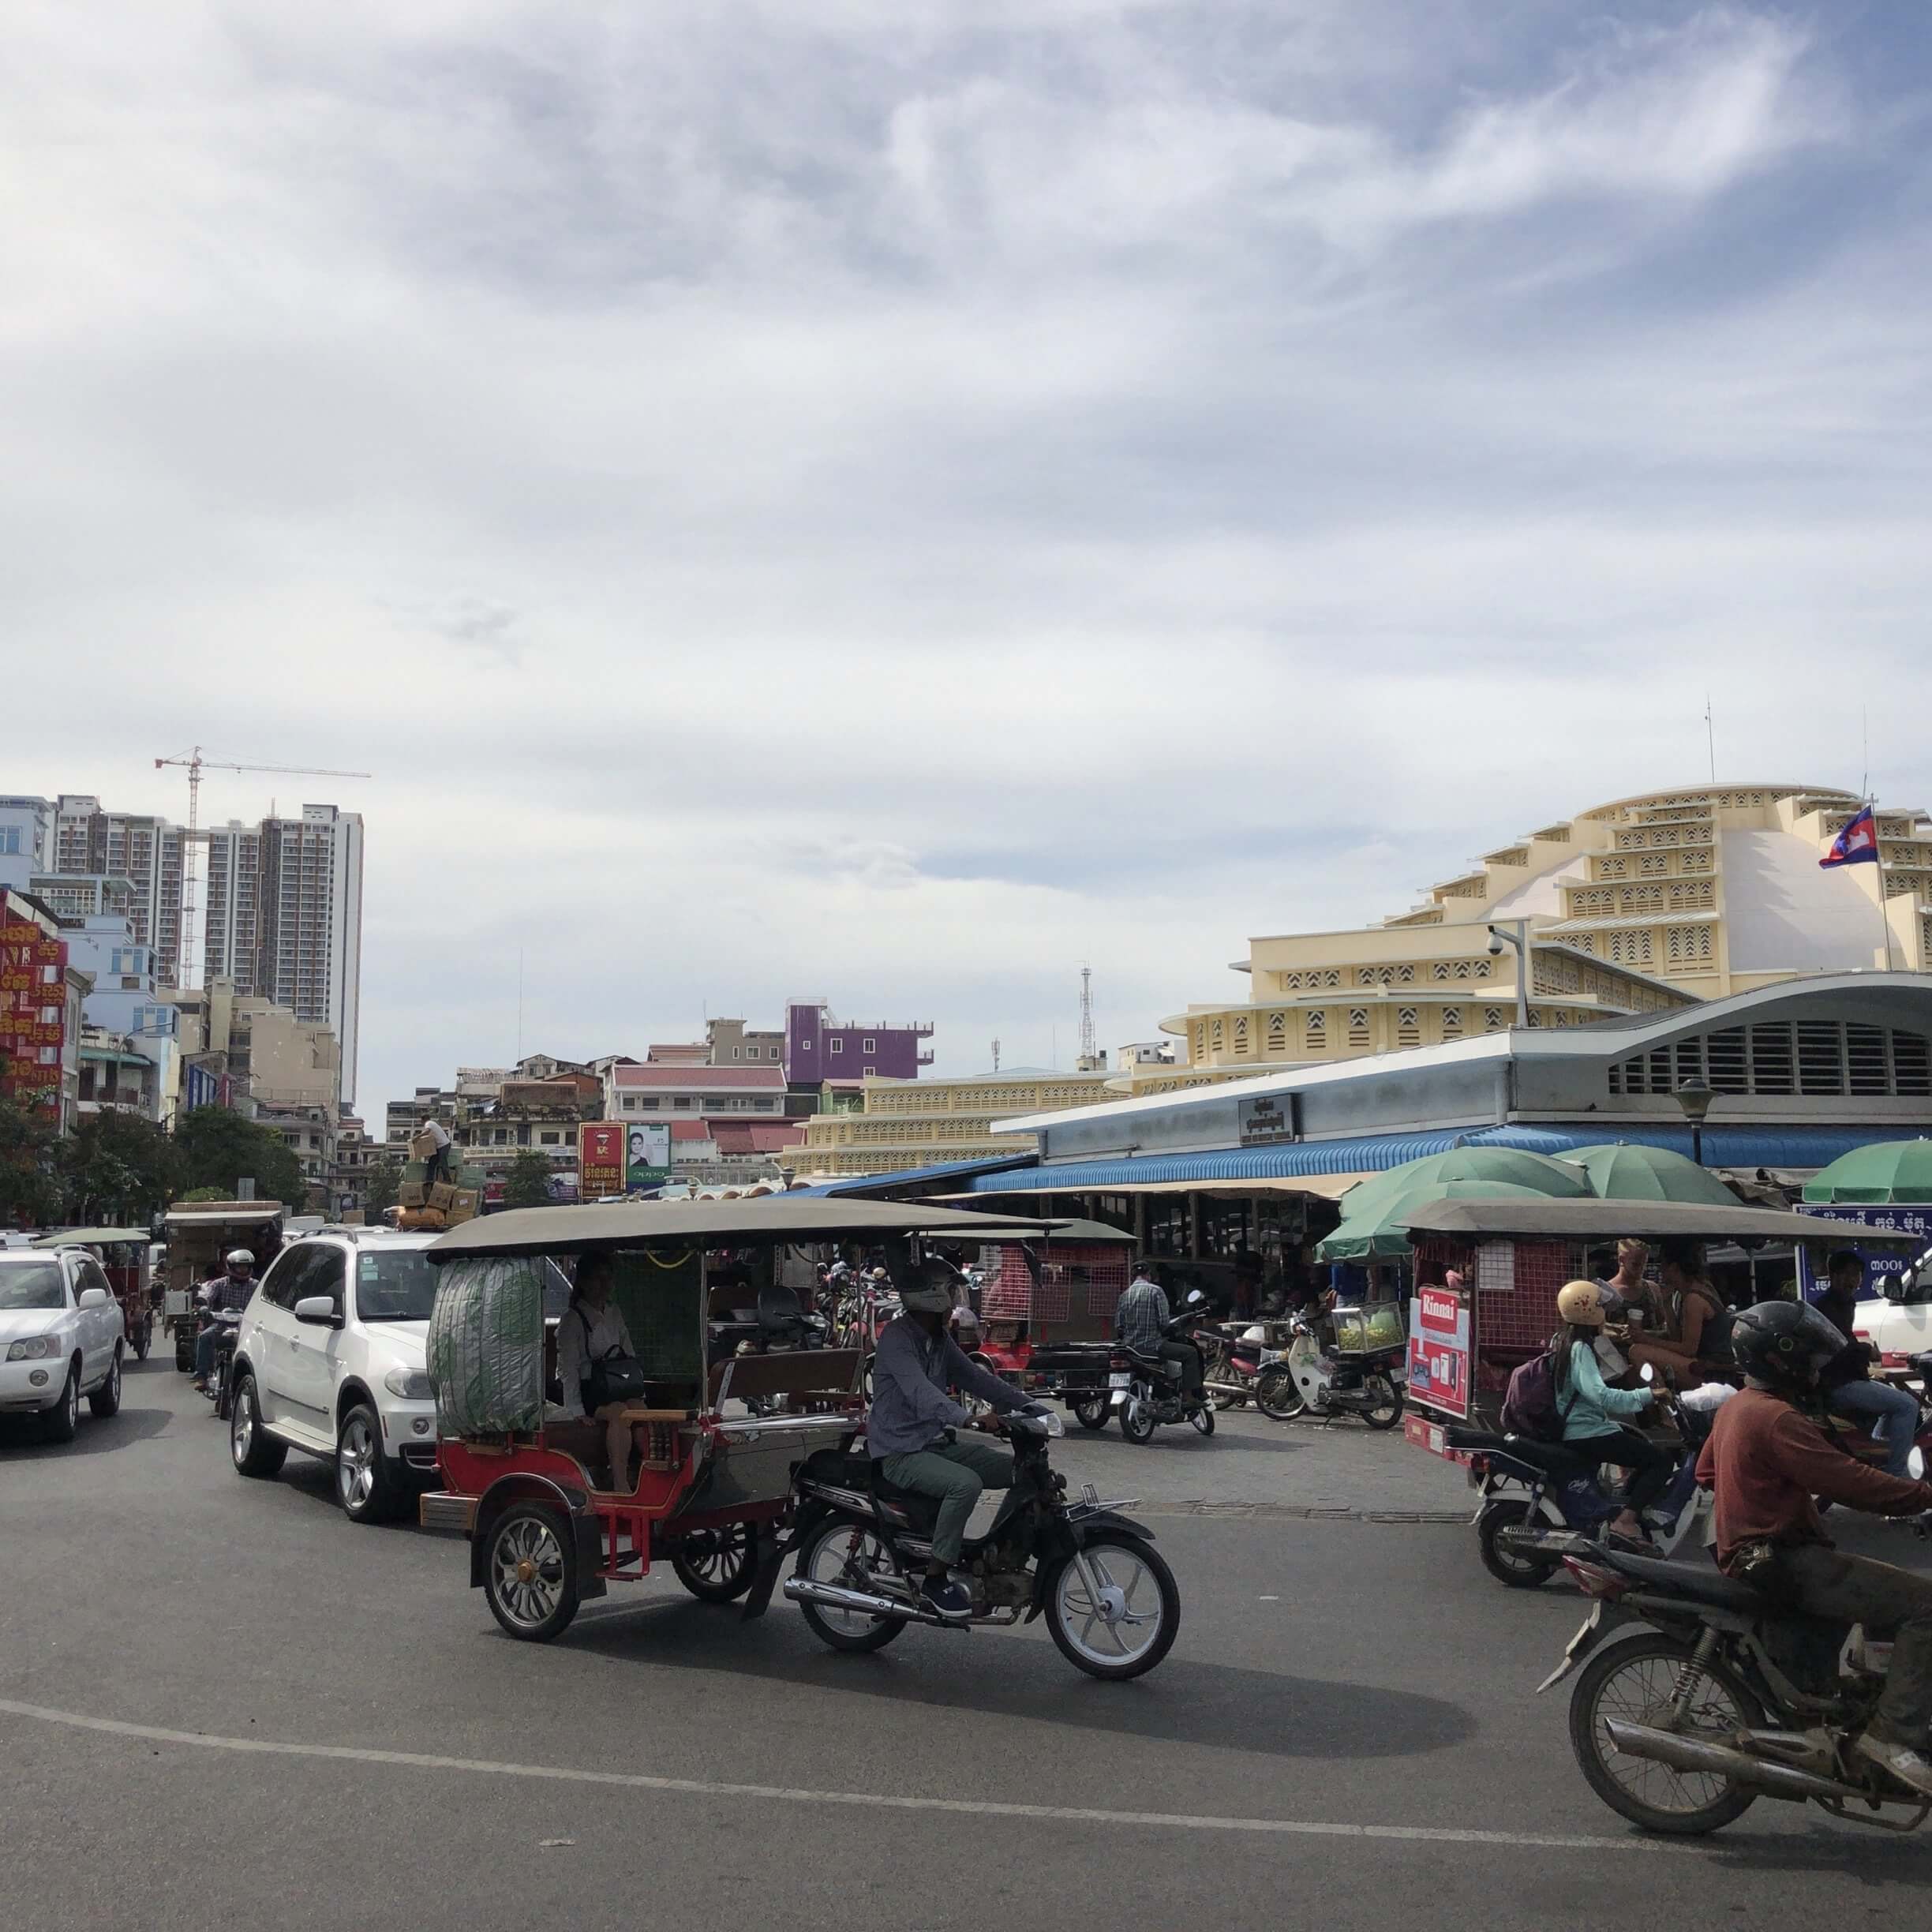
(1684, 1754)
(837, 1596)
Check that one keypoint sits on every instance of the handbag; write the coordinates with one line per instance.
(613, 1377)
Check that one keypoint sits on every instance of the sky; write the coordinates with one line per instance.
(891, 501)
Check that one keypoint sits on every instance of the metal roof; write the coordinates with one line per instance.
(860, 1185)
(1602, 1220)
(85, 1238)
(689, 1223)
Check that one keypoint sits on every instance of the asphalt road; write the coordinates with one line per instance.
(250, 1712)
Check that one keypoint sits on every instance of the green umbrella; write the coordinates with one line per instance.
(1536, 1173)
(1379, 1229)
(1887, 1171)
(1617, 1171)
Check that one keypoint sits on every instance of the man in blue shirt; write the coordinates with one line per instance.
(910, 1429)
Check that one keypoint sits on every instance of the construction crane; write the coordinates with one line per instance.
(185, 971)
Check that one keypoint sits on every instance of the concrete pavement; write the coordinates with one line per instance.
(1330, 1677)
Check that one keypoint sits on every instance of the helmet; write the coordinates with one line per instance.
(1784, 1343)
(1581, 1302)
(1257, 1334)
(930, 1292)
(240, 1257)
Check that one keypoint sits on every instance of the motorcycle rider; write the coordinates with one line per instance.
(227, 1293)
(1140, 1322)
(910, 1430)
(1849, 1389)
(1766, 1460)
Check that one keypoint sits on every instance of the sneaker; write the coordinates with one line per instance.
(942, 1594)
(1912, 1768)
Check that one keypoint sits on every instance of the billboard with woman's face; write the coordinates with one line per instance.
(647, 1154)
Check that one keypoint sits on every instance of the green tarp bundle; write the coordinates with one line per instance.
(485, 1347)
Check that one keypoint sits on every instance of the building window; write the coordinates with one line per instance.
(836, 1044)
(871, 1069)
(737, 1053)
(1358, 1026)
(630, 1103)
(1452, 1023)
(681, 1100)
(1317, 1031)
(1408, 1027)
(871, 1046)
(1493, 1019)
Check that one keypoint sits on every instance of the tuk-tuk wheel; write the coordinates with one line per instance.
(716, 1565)
(530, 1572)
(143, 1340)
(1094, 1414)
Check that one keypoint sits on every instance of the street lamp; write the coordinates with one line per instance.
(1500, 937)
(1695, 1098)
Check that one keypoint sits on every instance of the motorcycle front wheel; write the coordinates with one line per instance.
(1278, 1394)
(1637, 1683)
(1386, 1403)
(1203, 1419)
(1123, 1624)
(1137, 1422)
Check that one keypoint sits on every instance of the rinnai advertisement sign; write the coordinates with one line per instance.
(33, 1015)
(601, 1158)
(1438, 1351)
(647, 1155)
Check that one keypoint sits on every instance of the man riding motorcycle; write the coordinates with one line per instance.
(910, 1430)
(1766, 1460)
(225, 1294)
(1140, 1321)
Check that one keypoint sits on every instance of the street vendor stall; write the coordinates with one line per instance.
(123, 1254)
(1509, 1257)
(548, 1524)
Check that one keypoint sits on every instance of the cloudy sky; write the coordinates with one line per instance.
(891, 500)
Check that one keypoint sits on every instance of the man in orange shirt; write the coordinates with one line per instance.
(1766, 1460)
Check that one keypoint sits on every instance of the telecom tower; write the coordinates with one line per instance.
(1092, 1059)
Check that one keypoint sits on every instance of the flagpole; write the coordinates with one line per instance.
(1884, 923)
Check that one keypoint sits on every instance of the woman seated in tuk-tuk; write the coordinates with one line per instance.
(591, 1331)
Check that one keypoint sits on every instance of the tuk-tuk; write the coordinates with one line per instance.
(200, 1235)
(123, 1254)
(1510, 1258)
(715, 1479)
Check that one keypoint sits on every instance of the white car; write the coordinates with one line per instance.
(62, 1337)
(329, 1361)
(1900, 1326)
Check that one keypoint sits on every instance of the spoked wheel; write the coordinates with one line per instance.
(530, 1572)
(1137, 1420)
(716, 1565)
(1093, 1414)
(1385, 1400)
(1640, 1683)
(1123, 1623)
(1496, 1530)
(1279, 1395)
(847, 1554)
(1221, 1400)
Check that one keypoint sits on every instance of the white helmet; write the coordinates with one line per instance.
(240, 1257)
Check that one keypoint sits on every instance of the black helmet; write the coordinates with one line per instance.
(1784, 1343)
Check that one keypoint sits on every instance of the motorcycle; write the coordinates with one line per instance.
(863, 1545)
(784, 1325)
(1540, 1505)
(1366, 1382)
(1727, 1699)
(1232, 1366)
(227, 1324)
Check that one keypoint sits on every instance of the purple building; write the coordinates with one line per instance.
(818, 1047)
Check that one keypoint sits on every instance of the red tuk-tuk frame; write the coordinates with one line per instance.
(711, 1485)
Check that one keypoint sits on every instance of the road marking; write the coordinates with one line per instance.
(881, 1801)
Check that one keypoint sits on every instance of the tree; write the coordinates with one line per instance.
(527, 1182)
(385, 1177)
(29, 1189)
(117, 1170)
(217, 1147)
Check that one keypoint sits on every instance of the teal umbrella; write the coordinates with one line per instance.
(1379, 1230)
(1886, 1170)
(1619, 1171)
(1536, 1173)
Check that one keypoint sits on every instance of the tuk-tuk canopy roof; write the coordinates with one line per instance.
(1606, 1220)
(217, 1214)
(94, 1237)
(696, 1223)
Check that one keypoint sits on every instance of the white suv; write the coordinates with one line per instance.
(62, 1337)
(329, 1361)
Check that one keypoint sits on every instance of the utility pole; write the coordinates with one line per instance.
(996, 1056)
(1502, 936)
(1711, 737)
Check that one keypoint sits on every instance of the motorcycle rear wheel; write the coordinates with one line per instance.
(842, 1553)
(1510, 1513)
(1636, 1681)
(1388, 1406)
(1278, 1394)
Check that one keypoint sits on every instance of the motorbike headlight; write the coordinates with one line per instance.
(410, 1385)
(32, 1349)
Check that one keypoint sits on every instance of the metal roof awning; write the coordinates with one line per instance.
(1326, 1187)
(220, 1214)
(693, 1223)
(861, 1186)
(1605, 1220)
(90, 1238)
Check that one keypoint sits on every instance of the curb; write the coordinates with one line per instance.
(1282, 1512)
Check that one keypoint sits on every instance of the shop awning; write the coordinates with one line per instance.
(1327, 1187)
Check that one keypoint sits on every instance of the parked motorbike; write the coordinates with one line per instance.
(1234, 1365)
(863, 1544)
(1333, 1381)
(1539, 1504)
(1725, 1699)
(784, 1325)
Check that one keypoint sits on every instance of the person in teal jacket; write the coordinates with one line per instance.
(1595, 1417)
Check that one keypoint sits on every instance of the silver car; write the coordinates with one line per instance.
(62, 1337)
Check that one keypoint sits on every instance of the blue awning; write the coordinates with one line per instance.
(1724, 1146)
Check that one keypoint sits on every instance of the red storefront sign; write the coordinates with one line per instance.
(600, 1159)
(33, 1015)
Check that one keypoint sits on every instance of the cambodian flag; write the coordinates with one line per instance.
(1857, 845)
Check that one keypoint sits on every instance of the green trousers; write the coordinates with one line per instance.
(954, 1473)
